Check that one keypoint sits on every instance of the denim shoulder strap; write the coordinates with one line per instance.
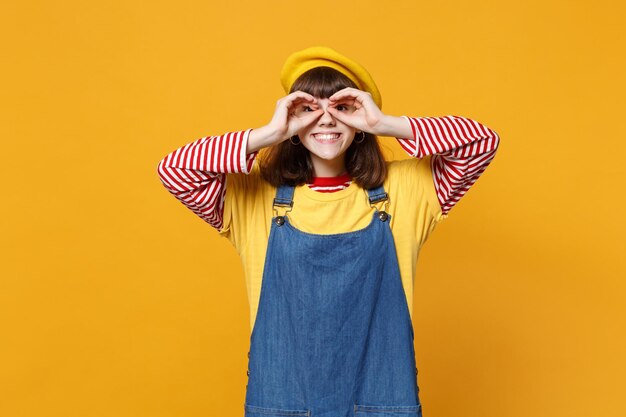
(284, 196)
(377, 194)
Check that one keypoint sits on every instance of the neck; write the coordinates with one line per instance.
(326, 168)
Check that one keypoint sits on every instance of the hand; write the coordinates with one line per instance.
(288, 119)
(363, 113)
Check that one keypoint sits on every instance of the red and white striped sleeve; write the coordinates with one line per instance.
(461, 150)
(196, 173)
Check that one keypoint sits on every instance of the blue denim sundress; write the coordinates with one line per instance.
(333, 335)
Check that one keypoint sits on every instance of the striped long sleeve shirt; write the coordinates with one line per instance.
(461, 150)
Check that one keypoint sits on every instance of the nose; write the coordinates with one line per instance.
(326, 118)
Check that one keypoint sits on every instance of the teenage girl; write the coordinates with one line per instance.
(329, 234)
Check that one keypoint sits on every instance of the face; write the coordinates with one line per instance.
(327, 138)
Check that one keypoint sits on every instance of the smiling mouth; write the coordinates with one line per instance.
(326, 137)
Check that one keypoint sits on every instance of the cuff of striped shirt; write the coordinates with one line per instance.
(246, 161)
(411, 145)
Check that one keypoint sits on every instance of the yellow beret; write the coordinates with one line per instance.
(321, 56)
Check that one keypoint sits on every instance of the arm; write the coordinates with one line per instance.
(195, 173)
(461, 150)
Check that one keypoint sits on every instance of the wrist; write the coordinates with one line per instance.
(261, 137)
(394, 126)
(384, 126)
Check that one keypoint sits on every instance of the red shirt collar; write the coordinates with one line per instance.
(330, 181)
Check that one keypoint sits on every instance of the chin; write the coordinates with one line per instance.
(328, 157)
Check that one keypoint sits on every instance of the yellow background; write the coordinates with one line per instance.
(116, 300)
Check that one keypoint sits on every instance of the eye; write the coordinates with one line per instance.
(344, 107)
(307, 108)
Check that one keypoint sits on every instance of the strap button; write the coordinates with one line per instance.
(280, 220)
(383, 216)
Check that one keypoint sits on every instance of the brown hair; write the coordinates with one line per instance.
(287, 164)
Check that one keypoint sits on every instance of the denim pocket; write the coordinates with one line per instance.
(256, 411)
(387, 410)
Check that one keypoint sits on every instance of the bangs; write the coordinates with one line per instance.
(321, 82)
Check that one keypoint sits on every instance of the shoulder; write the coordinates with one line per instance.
(409, 171)
(411, 181)
(247, 202)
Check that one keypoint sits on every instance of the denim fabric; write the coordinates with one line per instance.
(333, 336)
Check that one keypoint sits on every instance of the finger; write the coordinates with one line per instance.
(303, 101)
(311, 100)
(338, 115)
(346, 92)
(350, 120)
(301, 95)
(349, 101)
(352, 102)
(359, 99)
(311, 117)
(303, 119)
(296, 98)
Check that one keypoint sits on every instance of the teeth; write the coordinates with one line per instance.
(327, 136)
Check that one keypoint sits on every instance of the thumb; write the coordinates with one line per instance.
(350, 120)
(311, 117)
(336, 114)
